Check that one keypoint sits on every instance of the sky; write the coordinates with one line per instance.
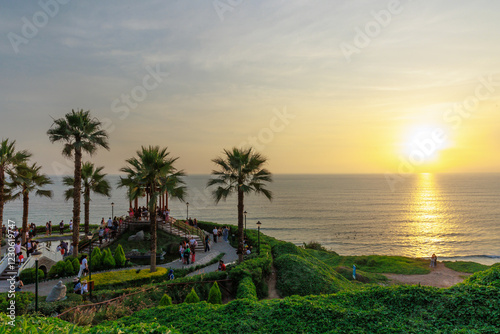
(317, 87)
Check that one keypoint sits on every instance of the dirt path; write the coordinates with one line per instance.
(271, 283)
(440, 277)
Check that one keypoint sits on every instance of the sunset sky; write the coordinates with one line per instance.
(317, 87)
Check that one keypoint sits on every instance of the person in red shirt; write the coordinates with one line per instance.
(222, 266)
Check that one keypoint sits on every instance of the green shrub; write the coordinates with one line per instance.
(246, 289)
(192, 298)
(57, 270)
(96, 263)
(490, 277)
(49, 309)
(165, 300)
(214, 296)
(125, 278)
(68, 269)
(108, 260)
(119, 256)
(301, 276)
(22, 300)
(28, 275)
(76, 265)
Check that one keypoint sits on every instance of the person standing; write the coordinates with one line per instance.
(61, 227)
(18, 285)
(207, 243)
(84, 267)
(50, 227)
(215, 232)
(71, 225)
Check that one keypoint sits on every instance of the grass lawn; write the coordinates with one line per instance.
(465, 266)
(376, 263)
(122, 276)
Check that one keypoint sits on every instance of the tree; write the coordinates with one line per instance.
(80, 133)
(119, 256)
(28, 179)
(8, 159)
(92, 181)
(192, 297)
(165, 300)
(153, 172)
(240, 171)
(214, 295)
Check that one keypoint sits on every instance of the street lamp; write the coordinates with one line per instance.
(112, 210)
(258, 235)
(187, 210)
(245, 222)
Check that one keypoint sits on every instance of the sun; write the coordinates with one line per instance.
(423, 144)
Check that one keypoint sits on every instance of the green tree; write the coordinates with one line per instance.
(107, 259)
(153, 172)
(165, 300)
(96, 261)
(93, 180)
(240, 171)
(9, 158)
(192, 297)
(214, 296)
(24, 181)
(80, 133)
(119, 256)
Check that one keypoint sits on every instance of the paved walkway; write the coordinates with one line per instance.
(44, 288)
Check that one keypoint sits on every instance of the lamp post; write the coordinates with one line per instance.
(112, 210)
(245, 222)
(187, 210)
(258, 235)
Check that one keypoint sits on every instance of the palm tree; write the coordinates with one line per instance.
(240, 171)
(8, 159)
(153, 172)
(28, 179)
(92, 181)
(80, 133)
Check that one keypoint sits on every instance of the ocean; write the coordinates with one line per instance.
(455, 216)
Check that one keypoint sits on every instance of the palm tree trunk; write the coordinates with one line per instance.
(86, 200)
(77, 189)
(152, 215)
(240, 226)
(25, 214)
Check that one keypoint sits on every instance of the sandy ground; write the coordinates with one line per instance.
(440, 277)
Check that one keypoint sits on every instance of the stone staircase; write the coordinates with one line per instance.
(10, 272)
(170, 228)
(121, 229)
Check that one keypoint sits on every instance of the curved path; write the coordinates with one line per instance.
(44, 288)
(440, 277)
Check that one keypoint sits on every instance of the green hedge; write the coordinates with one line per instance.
(490, 277)
(28, 276)
(246, 289)
(398, 309)
(49, 309)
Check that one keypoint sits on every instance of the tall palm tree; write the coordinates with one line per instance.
(80, 133)
(26, 180)
(240, 171)
(153, 172)
(9, 157)
(92, 181)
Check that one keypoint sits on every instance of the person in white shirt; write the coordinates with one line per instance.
(110, 222)
(71, 225)
(83, 266)
(215, 232)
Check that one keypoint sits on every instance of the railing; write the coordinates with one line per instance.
(4, 263)
(45, 252)
(189, 230)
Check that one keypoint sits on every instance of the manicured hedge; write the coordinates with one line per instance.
(22, 300)
(123, 277)
(28, 276)
(246, 289)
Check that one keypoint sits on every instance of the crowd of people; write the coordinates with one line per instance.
(109, 229)
(142, 212)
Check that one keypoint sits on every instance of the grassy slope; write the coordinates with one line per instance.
(465, 266)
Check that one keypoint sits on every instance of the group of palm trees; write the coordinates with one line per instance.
(152, 172)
